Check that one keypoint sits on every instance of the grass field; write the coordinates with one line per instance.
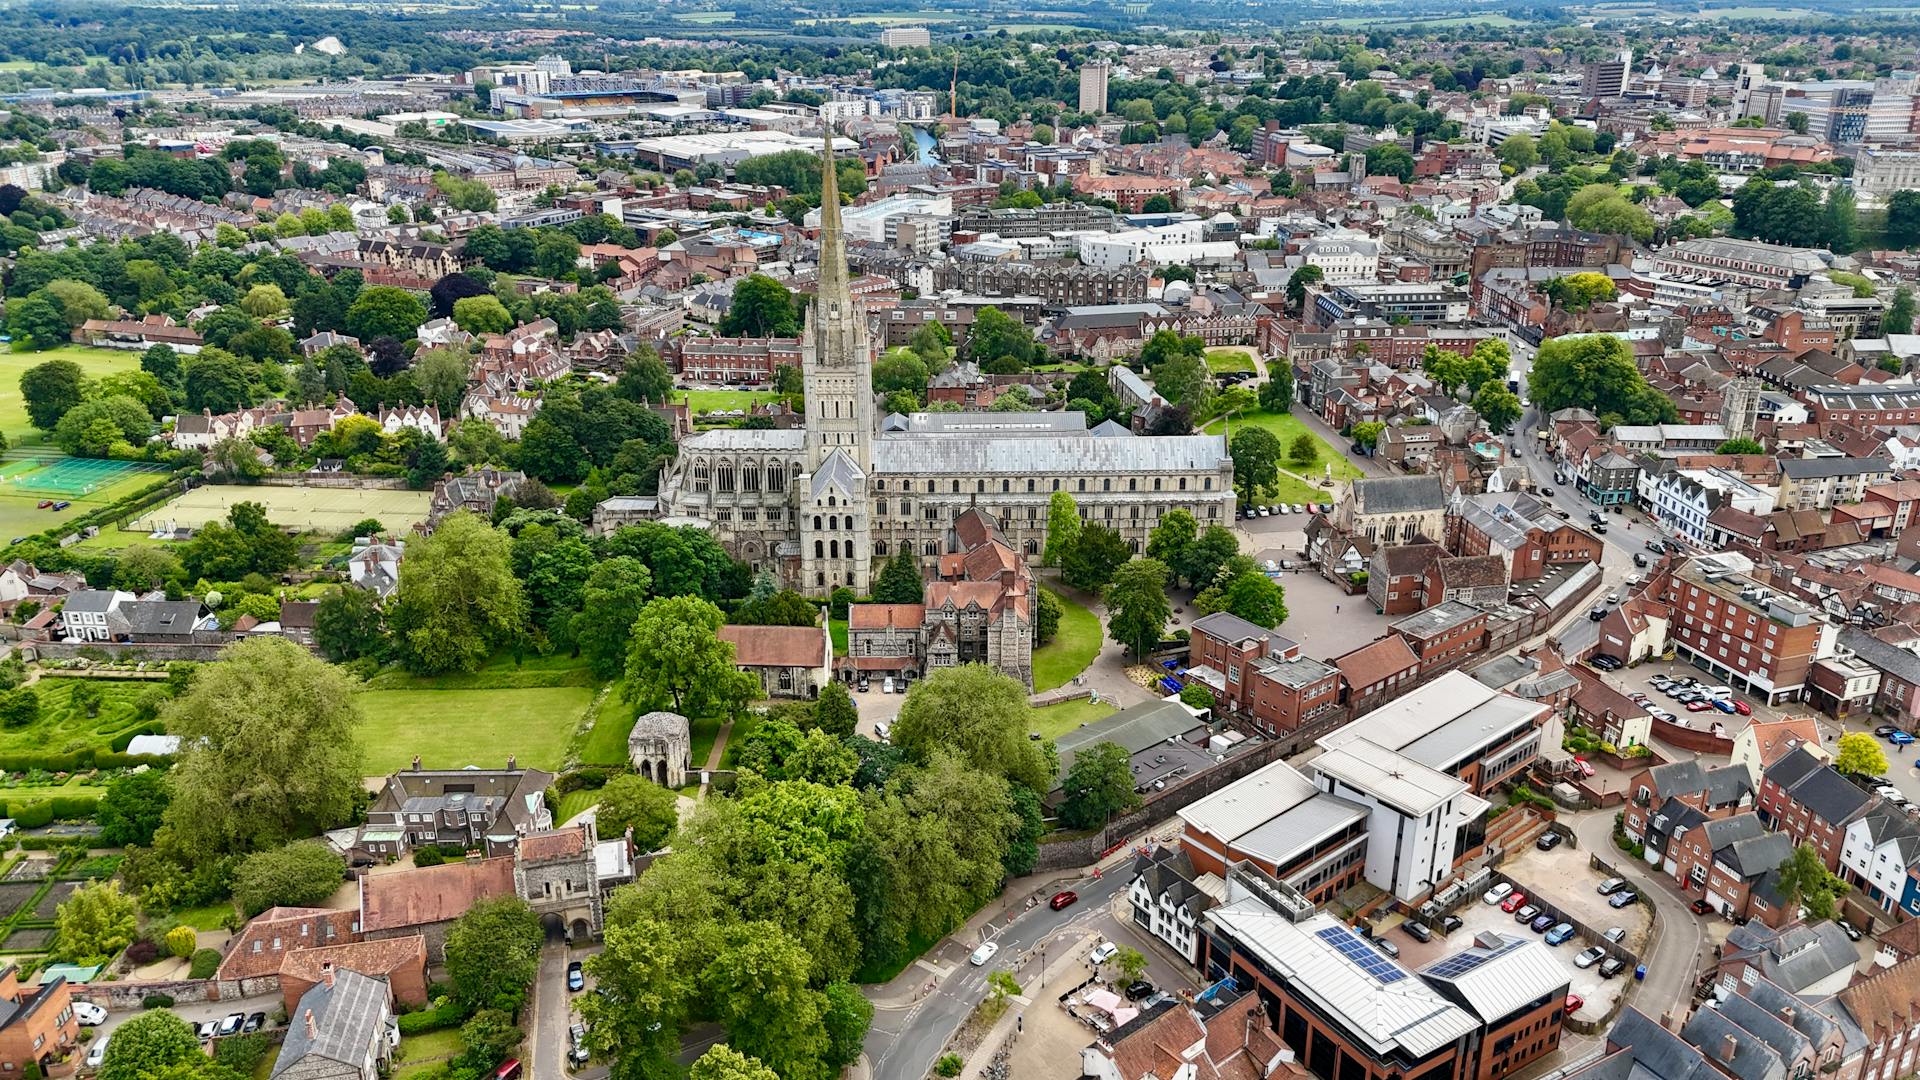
(1073, 647)
(20, 510)
(1230, 359)
(706, 401)
(606, 743)
(18, 65)
(322, 510)
(65, 726)
(425, 1052)
(1287, 427)
(837, 629)
(96, 363)
(1056, 720)
(704, 18)
(452, 728)
(573, 802)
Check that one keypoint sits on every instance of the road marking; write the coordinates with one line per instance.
(937, 970)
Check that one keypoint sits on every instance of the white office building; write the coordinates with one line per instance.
(1416, 815)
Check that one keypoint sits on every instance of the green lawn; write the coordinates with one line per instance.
(63, 726)
(209, 918)
(13, 408)
(501, 672)
(573, 802)
(606, 743)
(426, 1053)
(837, 629)
(1073, 647)
(705, 401)
(703, 730)
(1056, 720)
(742, 728)
(452, 728)
(1230, 359)
(1287, 427)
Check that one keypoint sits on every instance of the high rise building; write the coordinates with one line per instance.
(906, 37)
(1093, 87)
(1608, 78)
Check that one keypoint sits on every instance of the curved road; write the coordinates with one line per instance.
(1681, 950)
(904, 1041)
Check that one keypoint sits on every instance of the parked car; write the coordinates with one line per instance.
(1697, 705)
(1700, 907)
(232, 1023)
(1597, 614)
(886, 685)
(207, 1030)
(983, 954)
(1852, 931)
(1417, 931)
(1639, 559)
(1548, 841)
(1742, 707)
(1612, 966)
(1451, 923)
(1585, 766)
(1600, 527)
(576, 978)
(1656, 547)
(1725, 705)
(97, 1053)
(1884, 730)
(1387, 947)
(1527, 914)
(864, 684)
(44, 503)
(1900, 738)
(1139, 990)
(1623, 898)
(1610, 886)
(1063, 899)
(1719, 691)
(1574, 1001)
(1499, 892)
(1615, 934)
(1513, 903)
(1103, 952)
(1541, 923)
(255, 1021)
(1560, 934)
(89, 1014)
(1548, 492)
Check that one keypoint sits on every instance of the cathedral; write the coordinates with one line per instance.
(824, 504)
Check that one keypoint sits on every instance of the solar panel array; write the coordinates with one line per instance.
(1362, 953)
(1455, 966)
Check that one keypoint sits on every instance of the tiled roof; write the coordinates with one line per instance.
(778, 646)
(557, 844)
(431, 894)
(375, 957)
(1369, 664)
(881, 616)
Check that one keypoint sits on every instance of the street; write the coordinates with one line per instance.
(904, 1041)
(1679, 948)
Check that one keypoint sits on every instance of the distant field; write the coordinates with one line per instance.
(705, 401)
(20, 510)
(1763, 12)
(1054, 721)
(1455, 20)
(704, 18)
(322, 510)
(96, 363)
(18, 65)
(1020, 28)
(911, 18)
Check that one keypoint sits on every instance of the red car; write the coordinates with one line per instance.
(1698, 706)
(1585, 766)
(1064, 899)
(1574, 1001)
(1512, 903)
(1742, 707)
(44, 503)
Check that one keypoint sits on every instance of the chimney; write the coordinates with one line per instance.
(326, 975)
(313, 1030)
(1788, 1014)
(1728, 1045)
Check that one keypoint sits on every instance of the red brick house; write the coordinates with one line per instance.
(1810, 802)
(1376, 673)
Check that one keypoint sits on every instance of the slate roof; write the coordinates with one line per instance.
(1398, 494)
(1823, 791)
(347, 1017)
(1133, 729)
(1797, 956)
(1716, 1034)
(1030, 455)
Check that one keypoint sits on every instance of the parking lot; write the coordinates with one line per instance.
(1639, 679)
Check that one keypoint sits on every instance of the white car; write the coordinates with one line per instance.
(89, 1014)
(1719, 691)
(1589, 956)
(983, 954)
(1102, 953)
(1497, 893)
(97, 1053)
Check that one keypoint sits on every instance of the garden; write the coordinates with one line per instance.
(1075, 644)
(529, 711)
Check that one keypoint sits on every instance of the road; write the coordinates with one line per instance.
(1680, 948)
(903, 1042)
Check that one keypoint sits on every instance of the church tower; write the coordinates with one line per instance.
(831, 503)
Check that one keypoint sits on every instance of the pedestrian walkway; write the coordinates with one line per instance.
(714, 756)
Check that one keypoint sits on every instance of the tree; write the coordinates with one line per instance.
(132, 808)
(1518, 153)
(1098, 785)
(761, 307)
(148, 1045)
(676, 655)
(979, 715)
(633, 801)
(270, 750)
(1000, 343)
(1129, 964)
(347, 624)
(1137, 605)
(482, 315)
(1597, 373)
(1172, 540)
(1860, 755)
(1579, 292)
(1090, 563)
(37, 322)
(298, 875)
(644, 973)
(1276, 394)
(442, 377)
(1903, 219)
(723, 1062)
(1899, 317)
(95, 923)
(899, 582)
(1367, 433)
(488, 1037)
(1255, 597)
(385, 311)
(181, 942)
(1498, 406)
(1298, 283)
(846, 1015)
(458, 598)
(1740, 446)
(493, 953)
(1804, 881)
(835, 712)
(1303, 450)
(757, 985)
(899, 369)
(645, 378)
(78, 300)
(1063, 528)
(51, 389)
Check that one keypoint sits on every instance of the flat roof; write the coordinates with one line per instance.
(1442, 722)
(1391, 777)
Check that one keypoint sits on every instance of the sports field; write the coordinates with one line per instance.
(307, 509)
(26, 483)
(96, 363)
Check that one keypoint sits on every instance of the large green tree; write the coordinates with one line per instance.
(630, 800)
(1256, 460)
(761, 307)
(298, 875)
(385, 311)
(270, 750)
(1063, 528)
(615, 592)
(676, 656)
(1098, 785)
(37, 322)
(94, 923)
(1137, 605)
(1000, 343)
(133, 808)
(348, 624)
(493, 953)
(1596, 372)
(458, 599)
(1090, 563)
(149, 1046)
(899, 582)
(51, 390)
(978, 714)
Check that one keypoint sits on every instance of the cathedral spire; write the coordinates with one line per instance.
(833, 290)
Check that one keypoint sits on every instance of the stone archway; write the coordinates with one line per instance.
(553, 926)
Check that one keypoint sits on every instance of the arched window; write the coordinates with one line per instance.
(880, 548)
(956, 487)
(906, 485)
(1033, 548)
(1183, 483)
(1107, 484)
(979, 487)
(750, 478)
(932, 548)
(816, 523)
(723, 478)
(1083, 483)
(776, 478)
(833, 548)
(879, 485)
(880, 508)
(700, 475)
(819, 549)
(833, 522)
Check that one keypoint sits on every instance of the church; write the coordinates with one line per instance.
(823, 505)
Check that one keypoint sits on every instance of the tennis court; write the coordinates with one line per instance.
(72, 477)
(325, 510)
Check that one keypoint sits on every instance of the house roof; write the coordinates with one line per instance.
(1731, 1048)
(1398, 494)
(554, 844)
(1885, 1002)
(1133, 729)
(431, 894)
(273, 934)
(778, 646)
(347, 1015)
(1371, 663)
(882, 616)
(373, 957)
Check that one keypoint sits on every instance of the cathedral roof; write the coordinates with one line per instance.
(1045, 455)
(839, 472)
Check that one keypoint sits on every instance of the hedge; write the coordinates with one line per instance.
(90, 757)
(74, 807)
(205, 963)
(156, 1001)
(446, 1015)
(55, 843)
(33, 815)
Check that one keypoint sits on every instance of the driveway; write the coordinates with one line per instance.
(547, 1040)
(1676, 959)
